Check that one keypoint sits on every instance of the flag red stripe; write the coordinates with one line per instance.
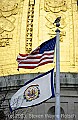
(23, 55)
(31, 67)
(35, 62)
(35, 56)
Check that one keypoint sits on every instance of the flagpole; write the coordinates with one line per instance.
(57, 96)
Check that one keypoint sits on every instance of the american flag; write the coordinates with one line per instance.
(40, 56)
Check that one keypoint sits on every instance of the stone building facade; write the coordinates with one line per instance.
(24, 25)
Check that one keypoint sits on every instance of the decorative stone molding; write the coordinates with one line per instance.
(55, 6)
(8, 10)
(29, 33)
(50, 17)
(5, 40)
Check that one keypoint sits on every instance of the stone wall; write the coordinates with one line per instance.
(69, 98)
(25, 24)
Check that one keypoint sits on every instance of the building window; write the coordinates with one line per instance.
(51, 113)
(2, 115)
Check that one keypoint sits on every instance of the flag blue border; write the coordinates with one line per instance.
(52, 83)
(40, 76)
(52, 88)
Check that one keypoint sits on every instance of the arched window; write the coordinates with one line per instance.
(51, 113)
(2, 115)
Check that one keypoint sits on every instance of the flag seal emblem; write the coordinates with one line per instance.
(31, 93)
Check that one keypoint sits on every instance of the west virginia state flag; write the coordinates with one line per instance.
(34, 91)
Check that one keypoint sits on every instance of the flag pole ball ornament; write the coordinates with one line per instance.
(31, 93)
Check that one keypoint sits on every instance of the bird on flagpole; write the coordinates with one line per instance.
(57, 20)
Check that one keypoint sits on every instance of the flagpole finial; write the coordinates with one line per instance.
(57, 21)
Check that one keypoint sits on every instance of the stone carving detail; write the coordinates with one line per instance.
(8, 10)
(55, 5)
(6, 25)
(29, 33)
(4, 40)
(49, 24)
(55, 9)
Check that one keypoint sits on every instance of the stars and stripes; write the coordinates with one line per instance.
(40, 56)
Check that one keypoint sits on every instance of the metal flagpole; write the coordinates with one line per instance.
(57, 96)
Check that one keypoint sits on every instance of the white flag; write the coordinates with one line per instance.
(34, 91)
